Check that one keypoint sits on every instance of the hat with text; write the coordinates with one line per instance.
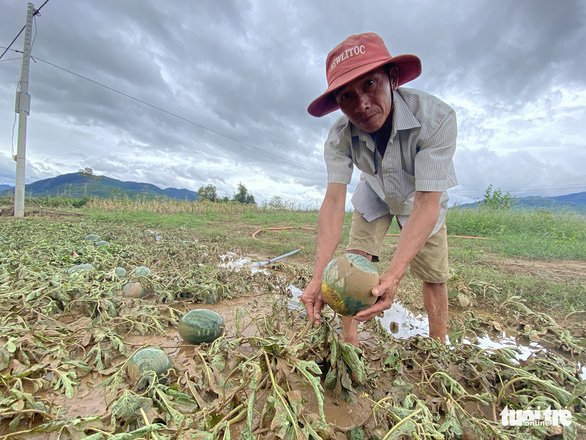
(354, 57)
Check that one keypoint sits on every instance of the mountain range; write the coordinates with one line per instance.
(78, 185)
(573, 202)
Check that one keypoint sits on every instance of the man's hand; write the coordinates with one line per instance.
(386, 291)
(313, 300)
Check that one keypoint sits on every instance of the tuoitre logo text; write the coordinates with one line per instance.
(535, 417)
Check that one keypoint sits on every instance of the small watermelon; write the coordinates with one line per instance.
(120, 272)
(133, 290)
(81, 268)
(142, 271)
(92, 237)
(101, 243)
(148, 359)
(200, 325)
(347, 283)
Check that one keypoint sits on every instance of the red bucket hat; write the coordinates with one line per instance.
(354, 57)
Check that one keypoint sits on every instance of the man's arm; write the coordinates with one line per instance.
(414, 234)
(329, 234)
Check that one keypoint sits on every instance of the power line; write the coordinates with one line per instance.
(12, 42)
(178, 116)
(21, 31)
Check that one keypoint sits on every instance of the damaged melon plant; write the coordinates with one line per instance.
(67, 339)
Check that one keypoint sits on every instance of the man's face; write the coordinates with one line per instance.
(367, 101)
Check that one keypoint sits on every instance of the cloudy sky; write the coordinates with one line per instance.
(189, 93)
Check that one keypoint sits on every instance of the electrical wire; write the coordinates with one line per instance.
(147, 103)
(459, 191)
(11, 59)
(12, 42)
(22, 30)
(180, 117)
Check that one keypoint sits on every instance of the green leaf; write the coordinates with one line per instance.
(253, 385)
(4, 359)
(356, 434)
(218, 361)
(307, 368)
(393, 358)
(579, 392)
(10, 346)
(127, 407)
(96, 436)
(280, 423)
(202, 436)
(333, 353)
(63, 381)
(137, 433)
(405, 429)
(331, 380)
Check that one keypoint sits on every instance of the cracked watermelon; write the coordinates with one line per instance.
(347, 283)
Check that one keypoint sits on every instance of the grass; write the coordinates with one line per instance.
(513, 236)
(537, 234)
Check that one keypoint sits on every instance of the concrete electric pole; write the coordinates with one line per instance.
(23, 106)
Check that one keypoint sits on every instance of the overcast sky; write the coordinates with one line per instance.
(216, 92)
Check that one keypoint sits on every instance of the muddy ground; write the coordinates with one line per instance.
(66, 340)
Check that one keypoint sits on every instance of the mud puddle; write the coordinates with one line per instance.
(402, 323)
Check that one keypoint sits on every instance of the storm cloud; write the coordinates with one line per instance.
(184, 94)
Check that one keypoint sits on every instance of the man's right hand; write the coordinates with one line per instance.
(313, 300)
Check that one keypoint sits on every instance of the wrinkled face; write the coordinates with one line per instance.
(367, 100)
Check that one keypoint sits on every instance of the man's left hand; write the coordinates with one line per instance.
(386, 291)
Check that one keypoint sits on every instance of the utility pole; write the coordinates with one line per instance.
(23, 106)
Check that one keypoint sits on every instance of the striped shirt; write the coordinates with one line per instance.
(418, 157)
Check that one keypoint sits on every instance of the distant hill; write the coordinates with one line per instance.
(77, 185)
(574, 202)
(579, 198)
(4, 187)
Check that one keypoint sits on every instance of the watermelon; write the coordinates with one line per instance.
(133, 290)
(120, 272)
(142, 271)
(347, 283)
(81, 268)
(92, 237)
(200, 325)
(101, 243)
(148, 359)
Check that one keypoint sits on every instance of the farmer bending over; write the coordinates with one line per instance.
(403, 141)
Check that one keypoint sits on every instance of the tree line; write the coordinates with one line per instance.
(209, 192)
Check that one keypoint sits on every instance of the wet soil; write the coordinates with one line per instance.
(558, 270)
(8, 211)
(401, 321)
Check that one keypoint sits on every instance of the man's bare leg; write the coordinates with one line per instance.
(350, 330)
(435, 300)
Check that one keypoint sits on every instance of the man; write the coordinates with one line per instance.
(403, 141)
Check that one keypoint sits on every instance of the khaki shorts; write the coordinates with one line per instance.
(430, 264)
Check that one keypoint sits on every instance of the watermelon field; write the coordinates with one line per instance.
(82, 290)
